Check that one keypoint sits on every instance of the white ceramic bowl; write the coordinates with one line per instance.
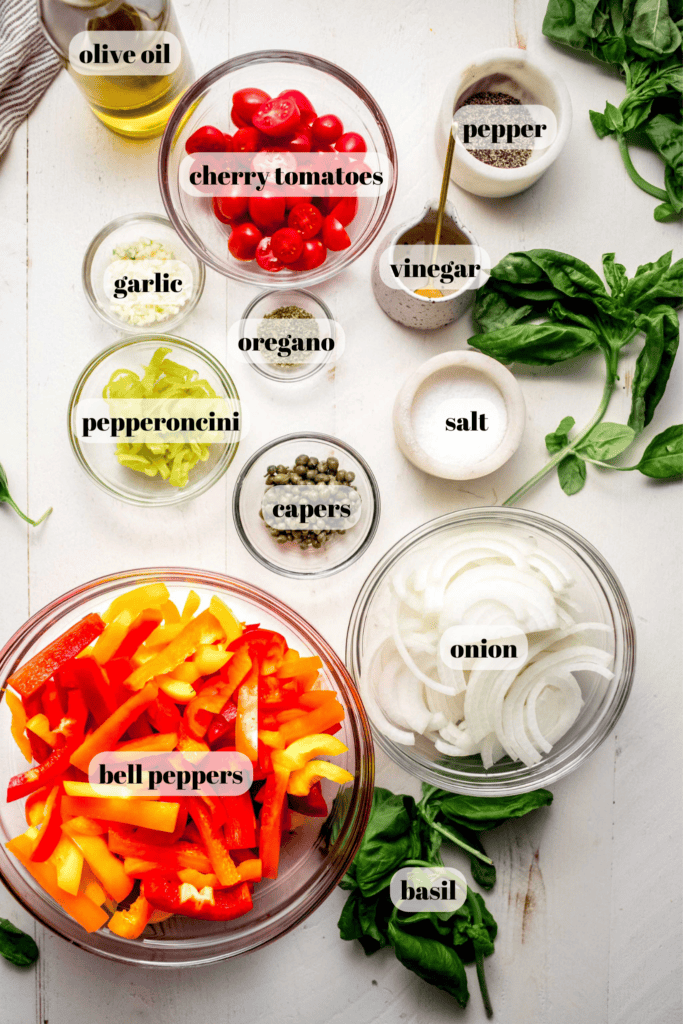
(516, 73)
(473, 368)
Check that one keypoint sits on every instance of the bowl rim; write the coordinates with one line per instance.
(16, 649)
(262, 367)
(192, 96)
(86, 274)
(175, 341)
(520, 779)
(317, 573)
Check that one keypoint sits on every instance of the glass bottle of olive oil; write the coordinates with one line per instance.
(134, 105)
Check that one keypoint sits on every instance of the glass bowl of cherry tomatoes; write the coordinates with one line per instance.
(274, 103)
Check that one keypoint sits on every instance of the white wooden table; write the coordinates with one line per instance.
(587, 896)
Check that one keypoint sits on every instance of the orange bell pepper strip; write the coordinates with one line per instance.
(231, 627)
(68, 861)
(270, 821)
(188, 742)
(83, 910)
(289, 714)
(84, 826)
(107, 868)
(198, 879)
(131, 923)
(31, 676)
(150, 835)
(216, 846)
(19, 724)
(299, 667)
(107, 735)
(155, 741)
(315, 721)
(246, 724)
(174, 858)
(316, 698)
(250, 870)
(156, 814)
(205, 629)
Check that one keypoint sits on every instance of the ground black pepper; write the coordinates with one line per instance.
(498, 157)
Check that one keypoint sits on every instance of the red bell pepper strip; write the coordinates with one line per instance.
(164, 714)
(51, 826)
(270, 821)
(107, 734)
(216, 846)
(52, 703)
(137, 634)
(172, 858)
(312, 805)
(216, 809)
(166, 893)
(49, 771)
(118, 670)
(266, 645)
(100, 697)
(208, 702)
(240, 827)
(222, 728)
(31, 676)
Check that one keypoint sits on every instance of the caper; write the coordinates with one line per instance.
(310, 474)
(350, 477)
(301, 460)
(280, 478)
(281, 469)
(294, 478)
(333, 464)
(272, 469)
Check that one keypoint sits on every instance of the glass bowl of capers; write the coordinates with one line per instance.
(306, 505)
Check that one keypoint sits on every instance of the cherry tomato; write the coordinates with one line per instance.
(301, 141)
(229, 208)
(334, 234)
(327, 129)
(247, 140)
(287, 245)
(245, 102)
(305, 219)
(267, 211)
(208, 140)
(277, 117)
(303, 103)
(266, 258)
(307, 118)
(291, 201)
(314, 255)
(352, 142)
(239, 121)
(243, 241)
(345, 210)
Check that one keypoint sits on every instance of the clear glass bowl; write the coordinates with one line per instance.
(125, 231)
(312, 862)
(209, 100)
(598, 592)
(289, 559)
(99, 460)
(268, 302)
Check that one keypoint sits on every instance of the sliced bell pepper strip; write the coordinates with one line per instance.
(115, 632)
(98, 691)
(93, 890)
(250, 870)
(131, 923)
(216, 846)
(84, 826)
(51, 700)
(82, 909)
(312, 805)
(150, 835)
(316, 698)
(182, 855)
(271, 815)
(209, 701)
(84, 789)
(188, 742)
(107, 868)
(314, 722)
(177, 690)
(205, 629)
(106, 736)
(240, 826)
(141, 629)
(299, 667)
(216, 809)
(40, 726)
(289, 714)
(34, 808)
(163, 714)
(167, 893)
(31, 676)
(265, 644)
(246, 726)
(198, 879)
(271, 738)
(117, 671)
(192, 603)
(222, 728)
(42, 775)
(156, 741)
(155, 814)
(68, 861)
(39, 748)
(18, 726)
(50, 826)
(300, 751)
(231, 627)
(300, 781)
(150, 595)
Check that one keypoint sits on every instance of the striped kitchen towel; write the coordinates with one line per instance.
(27, 64)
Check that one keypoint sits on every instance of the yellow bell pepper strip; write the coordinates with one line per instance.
(83, 826)
(156, 814)
(216, 846)
(19, 724)
(300, 781)
(159, 741)
(31, 676)
(192, 603)
(68, 861)
(107, 735)
(300, 751)
(231, 627)
(271, 738)
(315, 721)
(107, 868)
(151, 595)
(41, 727)
(88, 914)
(77, 788)
(205, 629)
(131, 923)
(110, 640)
(34, 808)
(210, 658)
(178, 690)
(270, 834)
(246, 724)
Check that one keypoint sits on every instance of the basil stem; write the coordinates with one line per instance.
(453, 838)
(6, 497)
(475, 910)
(652, 190)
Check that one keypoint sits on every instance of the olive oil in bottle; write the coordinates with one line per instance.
(134, 105)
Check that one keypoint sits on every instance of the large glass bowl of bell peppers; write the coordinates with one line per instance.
(165, 660)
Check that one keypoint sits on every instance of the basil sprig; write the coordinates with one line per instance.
(15, 945)
(5, 496)
(579, 314)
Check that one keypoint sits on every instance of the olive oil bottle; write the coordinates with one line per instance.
(136, 106)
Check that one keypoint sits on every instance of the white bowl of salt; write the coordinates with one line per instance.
(460, 416)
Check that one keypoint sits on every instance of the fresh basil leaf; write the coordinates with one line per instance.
(615, 275)
(482, 813)
(483, 874)
(493, 310)
(16, 946)
(667, 138)
(601, 124)
(653, 365)
(606, 441)
(562, 25)
(673, 181)
(613, 118)
(519, 268)
(559, 439)
(652, 33)
(388, 840)
(535, 344)
(571, 473)
(665, 212)
(433, 961)
(663, 457)
(654, 283)
(349, 922)
(570, 275)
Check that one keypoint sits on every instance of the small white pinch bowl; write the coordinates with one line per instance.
(461, 364)
(528, 80)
